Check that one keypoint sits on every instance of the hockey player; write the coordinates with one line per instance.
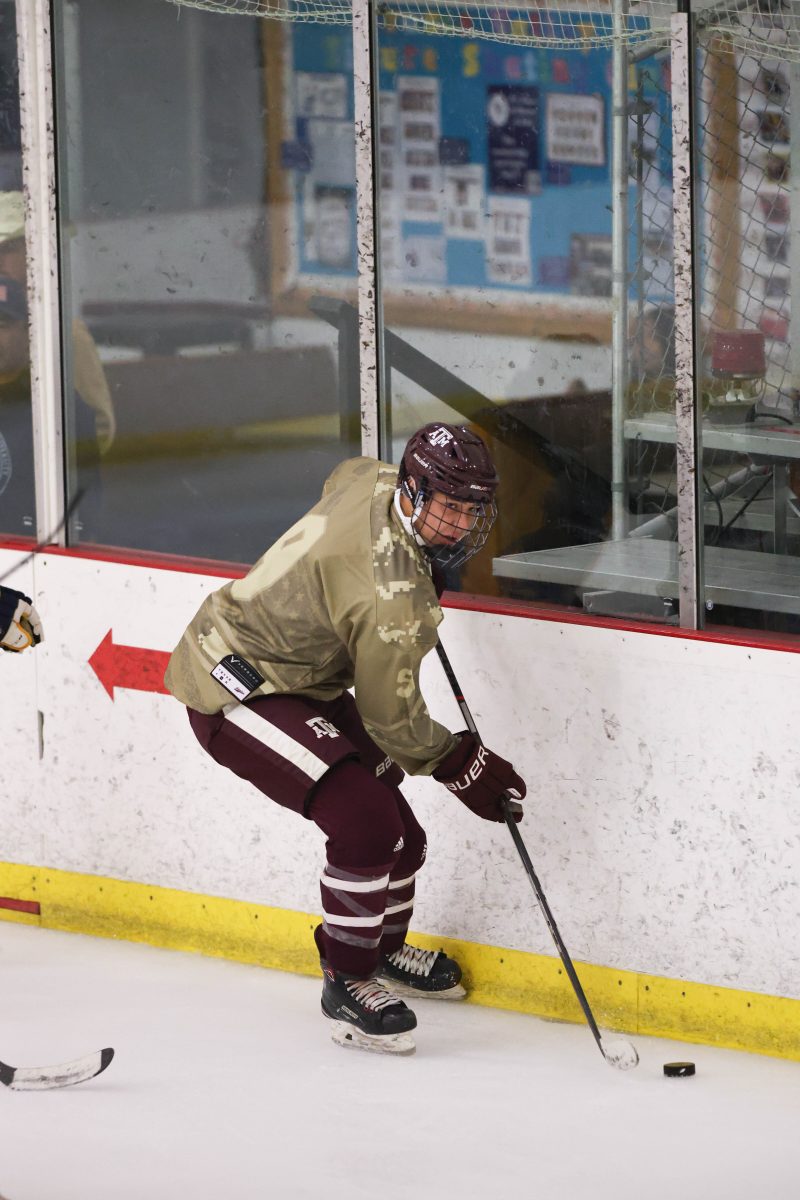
(20, 626)
(347, 599)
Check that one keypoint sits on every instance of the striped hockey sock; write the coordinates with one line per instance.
(353, 906)
(399, 909)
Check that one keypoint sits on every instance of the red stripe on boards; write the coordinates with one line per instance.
(532, 610)
(26, 906)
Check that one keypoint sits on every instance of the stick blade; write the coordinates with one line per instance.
(40, 1079)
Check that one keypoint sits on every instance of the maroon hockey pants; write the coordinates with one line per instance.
(316, 758)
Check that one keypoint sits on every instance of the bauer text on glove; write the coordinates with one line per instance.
(20, 626)
(481, 779)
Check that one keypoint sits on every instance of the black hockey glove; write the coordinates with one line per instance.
(20, 625)
(481, 779)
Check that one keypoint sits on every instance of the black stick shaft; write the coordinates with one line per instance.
(526, 860)
(551, 925)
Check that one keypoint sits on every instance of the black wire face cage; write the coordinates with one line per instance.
(460, 541)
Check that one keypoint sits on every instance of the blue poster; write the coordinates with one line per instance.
(469, 196)
(512, 117)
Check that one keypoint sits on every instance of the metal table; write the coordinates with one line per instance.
(772, 441)
(647, 567)
(772, 445)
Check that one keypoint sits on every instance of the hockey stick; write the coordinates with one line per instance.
(48, 541)
(617, 1052)
(40, 1079)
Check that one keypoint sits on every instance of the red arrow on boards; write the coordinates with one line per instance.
(129, 666)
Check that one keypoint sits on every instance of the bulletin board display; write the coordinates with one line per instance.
(494, 175)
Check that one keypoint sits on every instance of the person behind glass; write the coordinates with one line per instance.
(348, 598)
(89, 378)
(17, 490)
(17, 505)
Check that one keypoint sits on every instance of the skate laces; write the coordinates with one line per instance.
(371, 994)
(417, 962)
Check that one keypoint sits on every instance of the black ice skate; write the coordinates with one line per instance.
(366, 1014)
(412, 972)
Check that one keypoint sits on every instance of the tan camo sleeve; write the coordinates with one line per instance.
(387, 691)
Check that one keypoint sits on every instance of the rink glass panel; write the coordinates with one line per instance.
(749, 343)
(207, 218)
(17, 499)
(495, 230)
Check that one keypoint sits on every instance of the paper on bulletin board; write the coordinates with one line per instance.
(390, 177)
(333, 152)
(388, 145)
(322, 94)
(464, 201)
(576, 129)
(508, 241)
(328, 196)
(419, 119)
(333, 241)
(390, 238)
(424, 259)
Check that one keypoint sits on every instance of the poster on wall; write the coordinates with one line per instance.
(464, 201)
(591, 264)
(512, 115)
(334, 208)
(420, 128)
(575, 129)
(390, 238)
(333, 152)
(508, 241)
(388, 144)
(424, 260)
(469, 196)
(322, 94)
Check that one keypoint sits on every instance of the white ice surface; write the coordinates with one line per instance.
(227, 1087)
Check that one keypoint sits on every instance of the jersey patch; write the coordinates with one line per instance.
(237, 676)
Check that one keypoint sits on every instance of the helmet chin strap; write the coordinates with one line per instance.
(418, 500)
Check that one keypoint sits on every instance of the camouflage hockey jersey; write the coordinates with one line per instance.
(344, 599)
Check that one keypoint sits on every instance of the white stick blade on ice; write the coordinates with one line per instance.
(31, 1079)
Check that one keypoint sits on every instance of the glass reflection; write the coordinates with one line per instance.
(208, 236)
(496, 255)
(17, 499)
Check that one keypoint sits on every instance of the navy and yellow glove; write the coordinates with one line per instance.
(20, 625)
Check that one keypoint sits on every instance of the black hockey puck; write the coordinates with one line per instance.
(678, 1070)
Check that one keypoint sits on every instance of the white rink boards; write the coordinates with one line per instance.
(663, 776)
(225, 1085)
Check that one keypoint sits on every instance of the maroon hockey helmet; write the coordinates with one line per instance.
(453, 461)
(450, 459)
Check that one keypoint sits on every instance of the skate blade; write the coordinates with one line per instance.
(392, 1043)
(456, 992)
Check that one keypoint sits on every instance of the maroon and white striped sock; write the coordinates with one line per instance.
(399, 909)
(353, 907)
